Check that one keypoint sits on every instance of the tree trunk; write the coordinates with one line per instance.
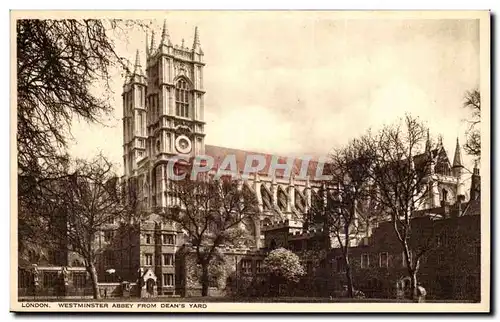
(131, 272)
(204, 279)
(348, 271)
(412, 272)
(93, 277)
(348, 275)
(413, 286)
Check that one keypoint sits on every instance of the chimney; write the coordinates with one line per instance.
(460, 201)
(475, 186)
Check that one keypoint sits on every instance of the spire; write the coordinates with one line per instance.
(428, 143)
(165, 37)
(152, 48)
(440, 142)
(147, 44)
(137, 67)
(457, 160)
(196, 42)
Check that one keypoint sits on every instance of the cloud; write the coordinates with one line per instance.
(254, 128)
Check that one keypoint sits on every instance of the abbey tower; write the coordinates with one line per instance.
(162, 113)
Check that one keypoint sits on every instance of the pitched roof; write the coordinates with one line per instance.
(473, 208)
(219, 153)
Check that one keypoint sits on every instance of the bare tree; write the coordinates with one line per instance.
(343, 210)
(59, 62)
(472, 101)
(81, 205)
(213, 213)
(401, 181)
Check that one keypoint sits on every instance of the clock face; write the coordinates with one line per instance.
(183, 144)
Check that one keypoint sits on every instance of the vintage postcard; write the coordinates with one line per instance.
(250, 161)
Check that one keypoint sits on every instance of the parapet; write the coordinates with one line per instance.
(283, 224)
(305, 235)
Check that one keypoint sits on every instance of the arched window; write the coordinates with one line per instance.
(299, 201)
(282, 199)
(444, 195)
(266, 222)
(266, 198)
(182, 98)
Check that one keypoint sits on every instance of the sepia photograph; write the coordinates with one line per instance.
(250, 161)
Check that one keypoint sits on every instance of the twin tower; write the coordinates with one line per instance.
(163, 105)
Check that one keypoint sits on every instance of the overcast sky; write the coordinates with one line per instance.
(292, 83)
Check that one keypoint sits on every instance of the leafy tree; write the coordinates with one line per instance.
(283, 267)
(213, 213)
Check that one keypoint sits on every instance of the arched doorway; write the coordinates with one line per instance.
(403, 287)
(150, 286)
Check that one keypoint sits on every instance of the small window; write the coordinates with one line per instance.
(24, 278)
(365, 261)
(258, 266)
(213, 281)
(108, 235)
(50, 279)
(441, 258)
(168, 259)
(148, 259)
(168, 279)
(442, 239)
(79, 280)
(383, 260)
(246, 266)
(168, 239)
(148, 239)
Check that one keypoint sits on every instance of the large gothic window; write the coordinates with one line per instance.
(182, 98)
